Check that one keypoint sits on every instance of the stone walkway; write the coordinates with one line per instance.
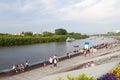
(96, 71)
(39, 73)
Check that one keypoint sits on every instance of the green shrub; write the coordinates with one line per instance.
(59, 78)
(79, 77)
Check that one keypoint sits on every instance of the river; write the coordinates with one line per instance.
(40, 52)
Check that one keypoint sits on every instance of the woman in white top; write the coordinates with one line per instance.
(51, 61)
(55, 62)
(26, 64)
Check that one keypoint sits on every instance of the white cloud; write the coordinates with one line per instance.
(84, 10)
(76, 13)
(39, 6)
(29, 5)
(91, 10)
(4, 6)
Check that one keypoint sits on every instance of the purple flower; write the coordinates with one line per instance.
(108, 77)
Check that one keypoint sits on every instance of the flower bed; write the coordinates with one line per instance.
(113, 75)
(116, 71)
(108, 76)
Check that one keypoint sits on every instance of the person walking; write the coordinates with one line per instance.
(55, 62)
(14, 67)
(26, 64)
(45, 63)
(55, 57)
(69, 54)
(51, 62)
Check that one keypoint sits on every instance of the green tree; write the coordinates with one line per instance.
(47, 34)
(60, 31)
(72, 33)
(28, 33)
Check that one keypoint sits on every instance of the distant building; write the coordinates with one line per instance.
(36, 33)
(117, 31)
(19, 34)
(112, 32)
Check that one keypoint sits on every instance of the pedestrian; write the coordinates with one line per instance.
(85, 52)
(16, 68)
(51, 62)
(68, 54)
(45, 63)
(81, 51)
(55, 57)
(26, 64)
(89, 50)
(92, 64)
(22, 67)
(55, 62)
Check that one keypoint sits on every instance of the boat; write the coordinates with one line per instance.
(91, 38)
(102, 39)
(70, 39)
(76, 46)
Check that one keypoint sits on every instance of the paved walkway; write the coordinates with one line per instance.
(96, 71)
(39, 73)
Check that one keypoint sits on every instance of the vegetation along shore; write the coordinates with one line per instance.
(26, 38)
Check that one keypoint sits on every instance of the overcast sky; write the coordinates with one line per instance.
(83, 16)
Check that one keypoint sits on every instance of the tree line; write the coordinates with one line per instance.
(29, 38)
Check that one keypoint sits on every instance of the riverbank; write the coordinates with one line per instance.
(46, 63)
(66, 65)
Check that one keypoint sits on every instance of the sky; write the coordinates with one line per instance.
(82, 16)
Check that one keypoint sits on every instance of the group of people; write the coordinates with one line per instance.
(53, 61)
(110, 45)
(84, 51)
(90, 64)
(69, 54)
(20, 67)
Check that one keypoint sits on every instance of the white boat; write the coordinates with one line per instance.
(69, 39)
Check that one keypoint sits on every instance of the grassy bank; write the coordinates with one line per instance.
(12, 40)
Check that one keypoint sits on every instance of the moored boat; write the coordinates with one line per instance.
(69, 39)
(76, 46)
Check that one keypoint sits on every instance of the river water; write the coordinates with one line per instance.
(40, 52)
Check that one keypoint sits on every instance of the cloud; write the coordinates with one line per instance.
(91, 10)
(3, 6)
(38, 6)
(82, 10)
